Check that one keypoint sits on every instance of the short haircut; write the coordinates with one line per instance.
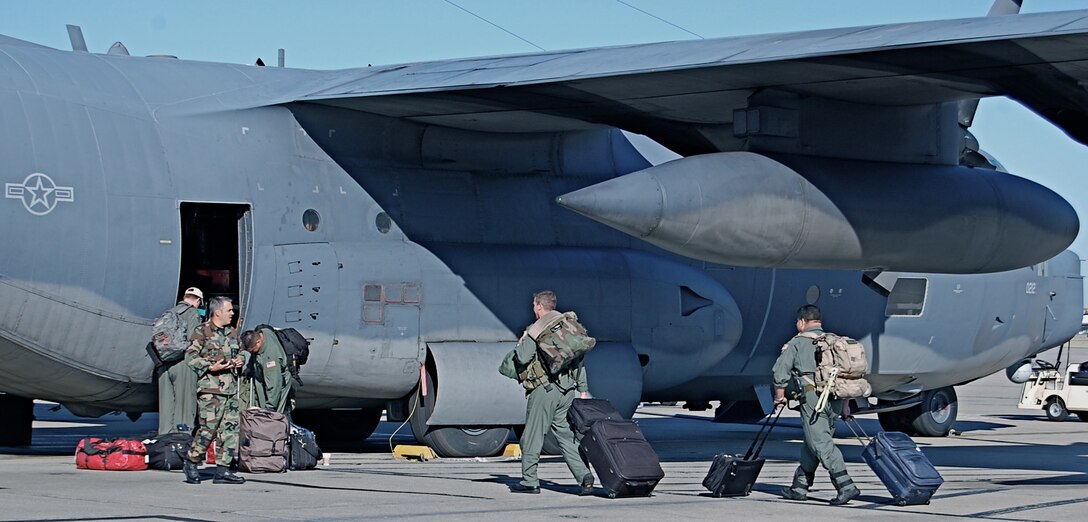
(217, 303)
(809, 313)
(546, 299)
(249, 339)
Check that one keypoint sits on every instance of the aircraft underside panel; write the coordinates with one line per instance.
(470, 389)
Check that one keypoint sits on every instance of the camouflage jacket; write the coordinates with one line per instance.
(211, 345)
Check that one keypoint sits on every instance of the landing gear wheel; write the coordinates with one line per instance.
(452, 441)
(936, 414)
(896, 420)
(1055, 409)
(339, 430)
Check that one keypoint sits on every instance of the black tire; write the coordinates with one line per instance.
(897, 420)
(1055, 409)
(452, 441)
(936, 414)
(339, 430)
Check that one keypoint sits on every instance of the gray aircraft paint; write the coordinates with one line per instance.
(436, 229)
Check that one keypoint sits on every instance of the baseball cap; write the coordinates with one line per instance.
(192, 290)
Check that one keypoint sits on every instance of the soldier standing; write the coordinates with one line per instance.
(177, 382)
(548, 403)
(798, 360)
(268, 376)
(215, 359)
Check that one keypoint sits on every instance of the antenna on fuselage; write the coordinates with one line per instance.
(75, 35)
(118, 49)
(281, 60)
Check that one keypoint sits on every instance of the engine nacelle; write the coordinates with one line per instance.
(746, 209)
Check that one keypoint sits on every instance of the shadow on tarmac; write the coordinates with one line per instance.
(677, 439)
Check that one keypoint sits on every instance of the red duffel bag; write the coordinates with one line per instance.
(111, 455)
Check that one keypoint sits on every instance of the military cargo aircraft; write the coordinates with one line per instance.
(683, 197)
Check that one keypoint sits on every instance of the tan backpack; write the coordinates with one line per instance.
(846, 354)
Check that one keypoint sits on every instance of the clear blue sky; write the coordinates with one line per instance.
(329, 34)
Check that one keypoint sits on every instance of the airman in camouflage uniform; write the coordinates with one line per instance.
(798, 359)
(214, 356)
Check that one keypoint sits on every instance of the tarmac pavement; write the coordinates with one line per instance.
(1003, 463)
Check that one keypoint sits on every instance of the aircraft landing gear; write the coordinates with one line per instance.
(452, 441)
(933, 417)
(937, 413)
(18, 414)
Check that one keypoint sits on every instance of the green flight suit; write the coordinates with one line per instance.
(798, 357)
(217, 394)
(547, 409)
(269, 387)
(177, 382)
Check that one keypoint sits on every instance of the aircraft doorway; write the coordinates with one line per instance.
(216, 251)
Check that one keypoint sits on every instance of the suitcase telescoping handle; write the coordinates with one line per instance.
(850, 423)
(768, 425)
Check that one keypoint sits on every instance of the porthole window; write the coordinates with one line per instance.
(812, 295)
(383, 222)
(311, 220)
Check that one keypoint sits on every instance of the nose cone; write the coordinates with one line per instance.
(633, 203)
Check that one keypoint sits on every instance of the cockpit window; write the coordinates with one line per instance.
(908, 297)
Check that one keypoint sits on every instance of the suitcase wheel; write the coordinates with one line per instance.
(611, 494)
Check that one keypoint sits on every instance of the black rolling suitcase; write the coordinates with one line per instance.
(304, 453)
(734, 475)
(901, 466)
(626, 464)
(584, 412)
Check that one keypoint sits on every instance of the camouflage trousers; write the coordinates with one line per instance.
(217, 416)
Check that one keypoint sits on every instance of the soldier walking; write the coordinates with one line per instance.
(548, 403)
(214, 356)
(798, 360)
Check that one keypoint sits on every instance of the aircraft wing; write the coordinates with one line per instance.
(682, 94)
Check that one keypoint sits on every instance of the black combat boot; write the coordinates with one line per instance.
(192, 474)
(223, 475)
(801, 482)
(586, 487)
(846, 488)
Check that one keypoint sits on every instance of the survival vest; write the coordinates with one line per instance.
(531, 376)
(561, 342)
(168, 336)
(846, 354)
(295, 346)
